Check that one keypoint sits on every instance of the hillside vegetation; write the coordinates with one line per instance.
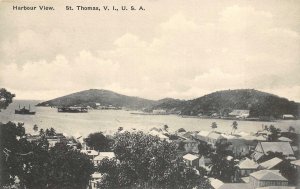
(259, 103)
(104, 97)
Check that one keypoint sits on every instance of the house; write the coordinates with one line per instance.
(288, 116)
(214, 137)
(246, 167)
(240, 113)
(265, 178)
(239, 146)
(235, 186)
(159, 111)
(91, 153)
(103, 155)
(191, 160)
(202, 135)
(191, 146)
(270, 164)
(263, 148)
(95, 178)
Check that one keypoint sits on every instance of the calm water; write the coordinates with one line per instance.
(81, 124)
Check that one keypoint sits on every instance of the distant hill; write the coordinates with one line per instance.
(104, 97)
(259, 103)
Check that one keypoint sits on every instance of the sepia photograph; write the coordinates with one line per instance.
(149, 94)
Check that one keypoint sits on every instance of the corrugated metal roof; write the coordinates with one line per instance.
(271, 163)
(248, 164)
(190, 157)
(283, 147)
(268, 175)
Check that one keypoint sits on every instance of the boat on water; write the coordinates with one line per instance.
(24, 111)
(72, 109)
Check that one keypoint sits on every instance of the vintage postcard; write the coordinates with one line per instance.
(152, 94)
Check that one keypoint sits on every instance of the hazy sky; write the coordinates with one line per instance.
(176, 48)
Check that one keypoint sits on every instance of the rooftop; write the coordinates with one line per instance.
(248, 164)
(215, 183)
(190, 157)
(283, 147)
(268, 175)
(203, 133)
(103, 155)
(271, 163)
(296, 162)
(235, 186)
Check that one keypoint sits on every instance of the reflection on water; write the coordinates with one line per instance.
(109, 120)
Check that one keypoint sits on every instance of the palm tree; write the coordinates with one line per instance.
(214, 125)
(35, 128)
(234, 126)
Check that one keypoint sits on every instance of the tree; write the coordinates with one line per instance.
(42, 132)
(221, 167)
(98, 141)
(181, 130)
(5, 98)
(214, 125)
(234, 126)
(145, 161)
(204, 149)
(166, 127)
(275, 133)
(35, 128)
(291, 129)
(9, 146)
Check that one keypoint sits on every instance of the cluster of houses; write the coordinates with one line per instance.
(248, 151)
(251, 149)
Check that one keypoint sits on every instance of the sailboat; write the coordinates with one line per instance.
(24, 111)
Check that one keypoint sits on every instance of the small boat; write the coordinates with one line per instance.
(24, 111)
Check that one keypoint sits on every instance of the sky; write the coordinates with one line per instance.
(175, 48)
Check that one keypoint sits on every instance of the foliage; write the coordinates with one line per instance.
(275, 133)
(5, 98)
(98, 142)
(181, 130)
(36, 166)
(204, 149)
(234, 126)
(291, 129)
(35, 128)
(50, 132)
(145, 161)
(221, 167)
(214, 125)
(9, 144)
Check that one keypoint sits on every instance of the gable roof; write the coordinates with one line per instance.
(103, 155)
(203, 133)
(215, 183)
(296, 162)
(190, 157)
(283, 147)
(268, 175)
(271, 163)
(248, 164)
(214, 135)
(235, 186)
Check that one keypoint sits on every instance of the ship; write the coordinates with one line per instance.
(24, 111)
(72, 109)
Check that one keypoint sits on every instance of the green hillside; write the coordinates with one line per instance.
(104, 97)
(259, 103)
